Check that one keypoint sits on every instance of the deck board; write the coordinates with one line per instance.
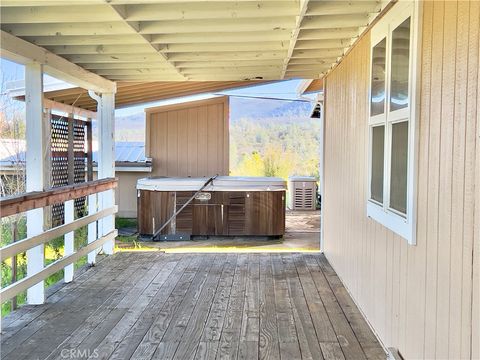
(196, 306)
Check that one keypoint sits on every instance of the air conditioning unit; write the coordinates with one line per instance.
(303, 192)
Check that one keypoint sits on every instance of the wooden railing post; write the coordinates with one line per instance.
(92, 227)
(34, 203)
(69, 206)
(69, 238)
(106, 160)
(36, 140)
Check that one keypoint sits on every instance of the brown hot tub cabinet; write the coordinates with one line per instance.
(229, 206)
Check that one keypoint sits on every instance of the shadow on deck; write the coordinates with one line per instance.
(203, 306)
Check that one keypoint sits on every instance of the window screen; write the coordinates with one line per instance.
(377, 99)
(400, 66)
(399, 166)
(378, 140)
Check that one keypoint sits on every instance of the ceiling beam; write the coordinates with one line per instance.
(173, 48)
(343, 7)
(229, 63)
(125, 65)
(146, 78)
(334, 21)
(320, 53)
(224, 36)
(188, 71)
(84, 40)
(209, 10)
(229, 77)
(325, 34)
(309, 67)
(137, 71)
(100, 49)
(114, 58)
(54, 29)
(148, 12)
(135, 26)
(241, 55)
(174, 39)
(235, 77)
(114, 2)
(322, 44)
(293, 40)
(222, 47)
(243, 73)
(217, 25)
(23, 52)
(205, 70)
(313, 61)
(58, 14)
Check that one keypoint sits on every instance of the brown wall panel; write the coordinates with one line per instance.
(189, 139)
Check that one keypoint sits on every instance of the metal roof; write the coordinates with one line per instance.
(125, 152)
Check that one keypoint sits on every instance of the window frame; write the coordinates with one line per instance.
(402, 224)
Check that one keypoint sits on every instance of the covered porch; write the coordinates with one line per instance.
(195, 306)
(145, 305)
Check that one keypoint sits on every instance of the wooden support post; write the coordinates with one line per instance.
(71, 150)
(92, 227)
(69, 239)
(14, 260)
(47, 165)
(92, 199)
(106, 162)
(36, 139)
(89, 150)
(69, 206)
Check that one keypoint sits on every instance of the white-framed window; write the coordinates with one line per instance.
(391, 121)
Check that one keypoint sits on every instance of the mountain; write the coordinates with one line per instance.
(130, 127)
(265, 110)
(262, 111)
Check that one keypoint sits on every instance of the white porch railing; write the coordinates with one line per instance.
(36, 200)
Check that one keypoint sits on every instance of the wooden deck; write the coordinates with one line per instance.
(195, 306)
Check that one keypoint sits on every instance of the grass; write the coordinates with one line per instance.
(125, 223)
(54, 250)
(130, 242)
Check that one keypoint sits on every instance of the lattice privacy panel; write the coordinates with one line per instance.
(79, 162)
(59, 149)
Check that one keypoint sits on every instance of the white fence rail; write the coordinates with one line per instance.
(36, 200)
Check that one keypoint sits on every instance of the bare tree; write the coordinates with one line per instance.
(12, 177)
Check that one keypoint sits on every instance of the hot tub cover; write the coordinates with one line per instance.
(302, 178)
(221, 183)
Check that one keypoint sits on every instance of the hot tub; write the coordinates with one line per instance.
(229, 206)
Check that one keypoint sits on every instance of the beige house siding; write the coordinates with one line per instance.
(423, 299)
(127, 184)
(189, 139)
(126, 192)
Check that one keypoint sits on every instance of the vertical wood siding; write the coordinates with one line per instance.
(189, 139)
(422, 299)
